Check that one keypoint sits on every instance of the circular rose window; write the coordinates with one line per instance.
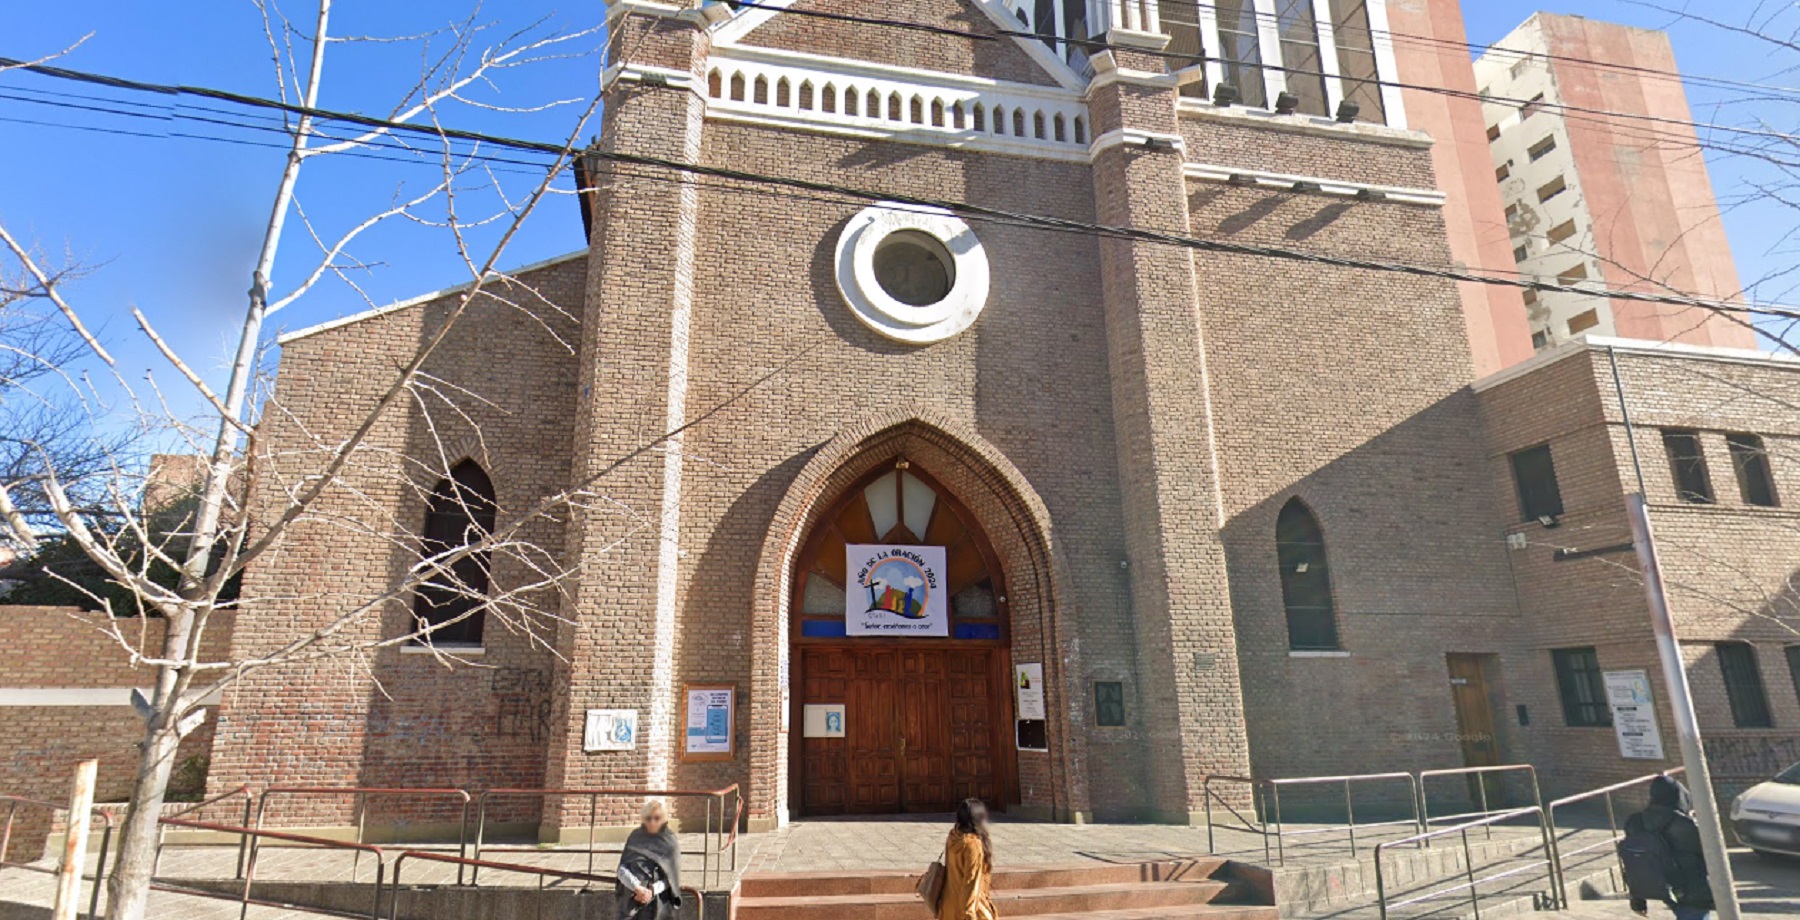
(913, 274)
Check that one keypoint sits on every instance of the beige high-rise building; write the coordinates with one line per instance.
(1605, 182)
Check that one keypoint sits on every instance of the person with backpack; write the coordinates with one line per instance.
(1661, 857)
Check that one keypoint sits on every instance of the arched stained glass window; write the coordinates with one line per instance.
(461, 512)
(1305, 580)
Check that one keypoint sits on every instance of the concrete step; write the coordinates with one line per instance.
(830, 884)
(1081, 900)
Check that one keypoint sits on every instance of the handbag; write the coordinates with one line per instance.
(931, 884)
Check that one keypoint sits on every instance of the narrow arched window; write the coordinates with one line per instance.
(460, 513)
(1305, 580)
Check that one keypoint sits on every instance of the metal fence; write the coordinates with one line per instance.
(1469, 881)
(716, 838)
(1266, 817)
(14, 803)
(1605, 793)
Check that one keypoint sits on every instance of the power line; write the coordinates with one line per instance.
(960, 207)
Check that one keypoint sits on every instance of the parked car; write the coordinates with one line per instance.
(1767, 816)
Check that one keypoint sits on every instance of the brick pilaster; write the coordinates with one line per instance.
(1187, 647)
(619, 640)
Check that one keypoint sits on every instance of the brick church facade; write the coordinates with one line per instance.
(1244, 514)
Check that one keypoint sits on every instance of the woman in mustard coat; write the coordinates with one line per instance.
(968, 866)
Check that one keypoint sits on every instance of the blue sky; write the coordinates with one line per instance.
(171, 225)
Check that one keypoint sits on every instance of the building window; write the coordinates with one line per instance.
(1532, 106)
(1503, 173)
(1300, 54)
(1561, 231)
(1540, 340)
(1512, 213)
(1542, 148)
(1305, 580)
(1582, 687)
(1687, 461)
(1534, 478)
(1493, 133)
(1743, 685)
(1240, 55)
(1793, 659)
(460, 512)
(1181, 22)
(1521, 252)
(1573, 274)
(1355, 42)
(1109, 703)
(1530, 296)
(1756, 483)
(1583, 321)
(1552, 189)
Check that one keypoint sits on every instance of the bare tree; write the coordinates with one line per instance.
(92, 502)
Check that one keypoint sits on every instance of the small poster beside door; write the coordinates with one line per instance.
(1032, 731)
(710, 717)
(895, 591)
(610, 730)
(823, 720)
(1634, 715)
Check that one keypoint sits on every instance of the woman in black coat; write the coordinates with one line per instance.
(650, 869)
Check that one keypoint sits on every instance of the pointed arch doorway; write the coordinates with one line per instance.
(926, 721)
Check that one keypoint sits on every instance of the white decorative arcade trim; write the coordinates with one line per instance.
(863, 100)
(1233, 175)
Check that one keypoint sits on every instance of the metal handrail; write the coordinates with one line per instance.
(1349, 805)
(106, 820)
(362, 794)
(707, 848)
(1425, 818)
(1612, 823)
(1256, 806)
(257, 834)
(243, 842)
(1473, 883)
(541, 872)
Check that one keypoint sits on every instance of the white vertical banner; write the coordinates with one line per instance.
(1634, 715)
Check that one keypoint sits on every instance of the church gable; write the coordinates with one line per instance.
(994, 57)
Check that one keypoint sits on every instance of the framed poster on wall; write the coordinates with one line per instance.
(711, 717)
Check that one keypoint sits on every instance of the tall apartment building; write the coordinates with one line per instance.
(1605, 200)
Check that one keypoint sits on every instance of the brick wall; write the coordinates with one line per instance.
(57, 648)
(402, 719)
(1729, 567)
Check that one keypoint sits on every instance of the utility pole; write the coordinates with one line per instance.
(1681, 697)
(1681, 701)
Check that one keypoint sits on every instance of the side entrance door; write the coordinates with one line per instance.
(1475, 721)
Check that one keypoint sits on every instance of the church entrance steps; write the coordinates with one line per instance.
(1176, 888)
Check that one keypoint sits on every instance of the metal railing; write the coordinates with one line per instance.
(248, 871)
(542, 873)
(1256, 808)
(361, 796)
(1472, 883)
(243, 842)
(1477, 778)
(716, 839)
(1266, 801)
(1349, 825)
(14, 802)
(1605, 793)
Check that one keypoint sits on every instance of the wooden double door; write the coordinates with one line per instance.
(922, 729)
